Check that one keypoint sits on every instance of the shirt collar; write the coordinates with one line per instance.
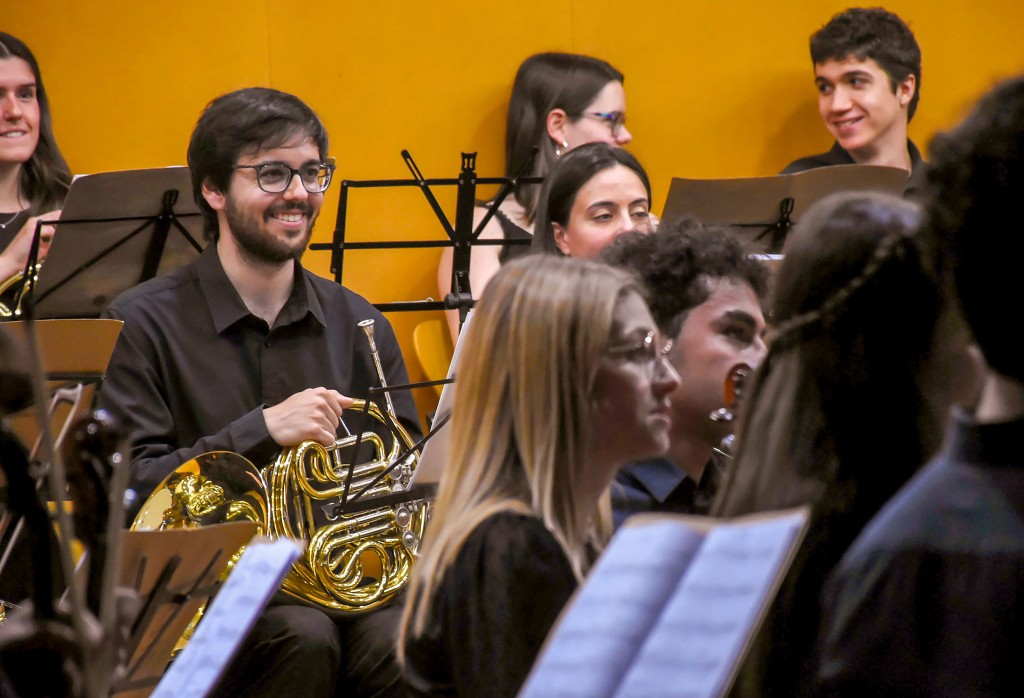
(227, 307)
(658, 476)
(986, 444)
(915, 180)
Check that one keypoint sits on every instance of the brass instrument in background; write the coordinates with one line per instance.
(734, 382)
(352, 562)
(12, 292)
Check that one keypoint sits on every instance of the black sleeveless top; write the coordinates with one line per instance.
(511, 231)
(11, 227)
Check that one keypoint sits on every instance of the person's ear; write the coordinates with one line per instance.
(556, 122)
(905, 90)
(217, 200)
(561, 238)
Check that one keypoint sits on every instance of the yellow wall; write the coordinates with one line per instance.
(715, 89)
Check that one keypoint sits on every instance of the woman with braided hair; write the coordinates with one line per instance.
(865, 359)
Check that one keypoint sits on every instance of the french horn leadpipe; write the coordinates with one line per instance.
(367, 327)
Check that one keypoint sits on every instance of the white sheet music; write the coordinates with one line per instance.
(666, 611)
(698, 638)
(228, 619)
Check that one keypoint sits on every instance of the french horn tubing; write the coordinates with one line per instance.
(352, 562)
(12, 291)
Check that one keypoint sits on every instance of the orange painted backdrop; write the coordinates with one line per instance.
(715, 89)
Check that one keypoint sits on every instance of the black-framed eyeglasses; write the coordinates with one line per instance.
(276, 177)
(616, 120)
(645, 351)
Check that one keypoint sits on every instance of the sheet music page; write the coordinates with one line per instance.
(227, 619)
(699, 637)
(597, 636)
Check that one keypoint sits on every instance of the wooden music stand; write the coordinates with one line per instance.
(74, 355)
(116, 230)
(175, 572)
(762, 209)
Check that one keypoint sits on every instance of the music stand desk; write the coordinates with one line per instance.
(70, 351)
(752, 205)
(116, 230)
(175, 572)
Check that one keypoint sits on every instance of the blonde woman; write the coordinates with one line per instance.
(563, 380)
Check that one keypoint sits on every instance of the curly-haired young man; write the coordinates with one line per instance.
(706, 293)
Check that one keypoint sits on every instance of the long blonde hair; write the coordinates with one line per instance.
(522, 419)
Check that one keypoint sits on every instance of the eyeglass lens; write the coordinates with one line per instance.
(615, 120)
(276, 177)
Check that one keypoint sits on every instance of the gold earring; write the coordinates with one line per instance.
(558, 149)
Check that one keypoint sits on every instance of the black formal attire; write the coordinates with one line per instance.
(11, 227)
(511, 231)
(659, 485)
(929, 601)
(192, 372)
(492, 611)
(838, 156)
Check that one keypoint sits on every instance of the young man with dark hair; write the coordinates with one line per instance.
(244, 350)
(928, 600)
(706, 294)
(867, 68)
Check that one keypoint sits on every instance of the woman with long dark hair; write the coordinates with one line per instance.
(559, 101)
(865, 358)
(34, 178)
(593, 195)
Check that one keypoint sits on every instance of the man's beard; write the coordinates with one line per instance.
(258, 244)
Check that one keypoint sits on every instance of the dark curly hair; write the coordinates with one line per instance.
(875, 33)
(677, 262)
(975, 180)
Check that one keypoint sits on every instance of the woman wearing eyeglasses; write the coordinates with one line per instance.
(559, 101)
(34, 178)
(563, 380)
(593, 195)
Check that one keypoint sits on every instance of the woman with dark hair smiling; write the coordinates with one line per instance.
(593, 195)
(34, 178)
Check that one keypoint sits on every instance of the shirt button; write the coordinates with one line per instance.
(267, 344)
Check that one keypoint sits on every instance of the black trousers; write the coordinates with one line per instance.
(301, 651)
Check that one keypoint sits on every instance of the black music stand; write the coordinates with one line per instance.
(462, 236)
(763, 209)
(117, 229)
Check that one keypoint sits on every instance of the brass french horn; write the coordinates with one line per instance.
(352, 562)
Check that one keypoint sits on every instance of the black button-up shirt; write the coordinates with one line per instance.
(659, 485)
(838, 156)
(193, 368)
